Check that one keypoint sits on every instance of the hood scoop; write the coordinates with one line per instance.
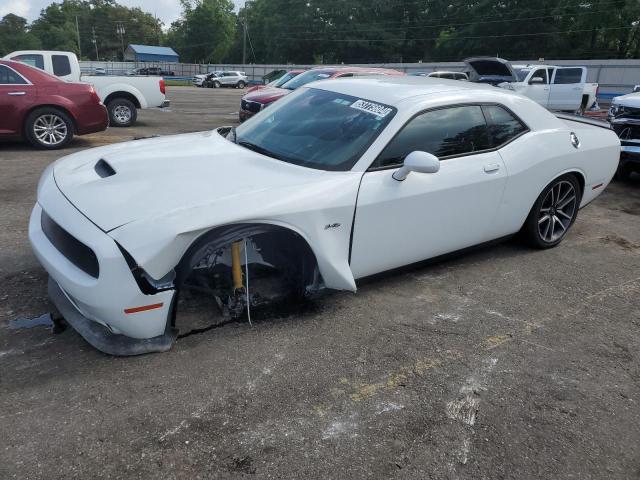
(103, 169)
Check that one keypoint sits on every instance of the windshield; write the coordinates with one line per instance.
(316, 128)
(283, 79)
(521, 73)
(307, 77)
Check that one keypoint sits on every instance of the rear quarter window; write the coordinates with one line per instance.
(503, 125)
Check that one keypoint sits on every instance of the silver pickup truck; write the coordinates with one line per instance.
(122, 95)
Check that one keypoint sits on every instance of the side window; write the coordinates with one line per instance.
(9, 77)
(568, 75)
(443, 132)
(33, 60)
(503, 126)
(448, 76)
(345, 75)
(540, 73)
(61, 65)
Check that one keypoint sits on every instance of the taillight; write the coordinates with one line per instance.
(162, 89)
(94, 95)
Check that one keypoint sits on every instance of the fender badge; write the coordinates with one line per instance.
(574, 140)
(332, 225)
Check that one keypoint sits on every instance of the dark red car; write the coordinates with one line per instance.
(45, 110)
(255, 101)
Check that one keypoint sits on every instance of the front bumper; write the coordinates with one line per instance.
(102, 338)
(113, 299)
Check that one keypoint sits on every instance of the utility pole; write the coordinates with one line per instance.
(244, 41)
(94, 40)
(78, 32)
(120, 31)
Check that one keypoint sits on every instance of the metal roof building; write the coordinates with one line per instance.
(149, 53)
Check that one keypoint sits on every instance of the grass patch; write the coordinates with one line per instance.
(177, 83)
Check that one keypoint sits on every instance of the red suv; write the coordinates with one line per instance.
(255, 101)
(44, 109)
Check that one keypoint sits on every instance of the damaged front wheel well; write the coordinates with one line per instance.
(277, 244)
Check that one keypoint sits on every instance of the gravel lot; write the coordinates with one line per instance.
(502, 363)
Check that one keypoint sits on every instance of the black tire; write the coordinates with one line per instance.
(241, 84)
(555, 202)
(49, 128)
(122, 112)
(217, 84)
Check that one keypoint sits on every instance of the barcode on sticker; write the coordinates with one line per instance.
(370, 107)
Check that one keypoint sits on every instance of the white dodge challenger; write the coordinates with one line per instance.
(338, 181)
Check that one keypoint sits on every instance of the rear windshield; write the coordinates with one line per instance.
(316, 128)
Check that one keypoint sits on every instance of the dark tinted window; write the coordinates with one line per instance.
(444, 132)
(568, 75)
(33, 60)
(61, 65)
(540, 73)
(9, 77)
(503, 126)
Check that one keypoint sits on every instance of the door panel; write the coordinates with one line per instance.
(16, 97)
(567, 87)
(426, 215)
(539, 92)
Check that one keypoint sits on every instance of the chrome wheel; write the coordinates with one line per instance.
(557, 211)
(122, 114)
(50, 129)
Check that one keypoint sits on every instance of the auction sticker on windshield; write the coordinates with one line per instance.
(373, 108)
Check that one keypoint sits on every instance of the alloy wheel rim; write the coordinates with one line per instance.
(556, 211)
(50, 129)
(122, 114)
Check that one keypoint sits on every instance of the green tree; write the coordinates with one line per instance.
(205, 32)
(14, 35)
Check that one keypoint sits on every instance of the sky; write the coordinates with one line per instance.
(166, 10)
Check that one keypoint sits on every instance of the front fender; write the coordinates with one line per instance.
(158, 244)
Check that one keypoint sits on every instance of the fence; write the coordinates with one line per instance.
(615, 77)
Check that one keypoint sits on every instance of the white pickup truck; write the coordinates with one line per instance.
(552, 86)
(122, 95)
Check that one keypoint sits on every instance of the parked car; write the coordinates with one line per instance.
(624, 116)
(554, 87)
(444, 74)
(45, 110)
(233, 79)
(253, 102)
(154, 71)
(339, 181)
(122, 95)
(278, 82)
(99, 71)
(198, 79)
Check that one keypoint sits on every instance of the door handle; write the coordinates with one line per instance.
(491, 167)
(16, 93)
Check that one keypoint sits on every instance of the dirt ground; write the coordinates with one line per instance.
(502, 363)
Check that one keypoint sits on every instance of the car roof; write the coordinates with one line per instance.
(392, 90)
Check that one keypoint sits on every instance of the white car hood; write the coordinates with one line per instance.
(160, 176)
(630, 100)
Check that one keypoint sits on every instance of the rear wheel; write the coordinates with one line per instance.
(553, 213)
(48, 128)
(122, 112)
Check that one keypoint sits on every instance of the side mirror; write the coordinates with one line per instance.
(536, 81)
(421, 162)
